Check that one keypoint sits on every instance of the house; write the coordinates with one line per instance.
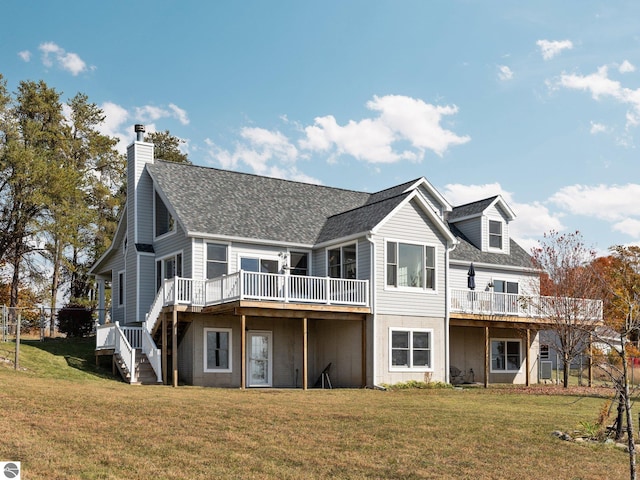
(226, 279)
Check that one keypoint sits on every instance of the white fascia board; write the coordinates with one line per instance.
(440, 225)
(342, 240)
(510, 213)
(117, 237)
(446, 206)
(257, 241)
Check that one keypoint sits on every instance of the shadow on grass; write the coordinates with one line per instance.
(79, 353)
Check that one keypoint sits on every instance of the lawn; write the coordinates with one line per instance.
(63, 418)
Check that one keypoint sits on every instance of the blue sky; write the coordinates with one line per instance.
(538, 101)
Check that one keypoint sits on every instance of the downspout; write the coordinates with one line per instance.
(447, 312)
(372, 301)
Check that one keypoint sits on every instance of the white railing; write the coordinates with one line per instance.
(124, 341)
(126, 351)
(260, 286)
(152, 352)
(493, 303)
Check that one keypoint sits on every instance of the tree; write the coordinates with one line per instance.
(167, 147)
(568, 290)
(620, 275)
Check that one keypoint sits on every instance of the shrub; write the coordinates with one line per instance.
(75, 320)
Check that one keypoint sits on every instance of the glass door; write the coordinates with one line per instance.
(259, 361)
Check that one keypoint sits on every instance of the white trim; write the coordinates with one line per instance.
(424, 289)
(205, 255)
(393, 368)
(505, 370)
(503, 239)
(256, 241)
(340, 246)
(230, 351)
(167, 206)
(495, 266)
(259, 257)
(444, 204)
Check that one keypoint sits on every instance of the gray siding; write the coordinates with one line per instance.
(410, 225)
(431, 200)
(528, 282)
(495, 213)
(472, 229)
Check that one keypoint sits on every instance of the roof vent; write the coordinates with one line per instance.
(139, 129)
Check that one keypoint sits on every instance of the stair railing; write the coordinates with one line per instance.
(152, 352)
(126, 352)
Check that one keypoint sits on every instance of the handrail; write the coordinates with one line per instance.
(126, 352)
(152, 352)
(497, 303)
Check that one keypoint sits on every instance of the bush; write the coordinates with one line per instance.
(75, 320)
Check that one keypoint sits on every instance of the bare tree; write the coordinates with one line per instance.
(568, 293)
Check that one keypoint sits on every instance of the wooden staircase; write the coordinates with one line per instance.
(144, 371)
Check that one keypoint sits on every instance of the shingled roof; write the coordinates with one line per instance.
(233, 204)
(470, 209)
(468, 252)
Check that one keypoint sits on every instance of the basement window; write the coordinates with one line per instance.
(217, 350)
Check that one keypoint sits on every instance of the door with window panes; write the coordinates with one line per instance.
(258, 285)
(507, 300)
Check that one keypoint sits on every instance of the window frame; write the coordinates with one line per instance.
(205, 336)
(171, 227)
(343, 266)
(425, 268)
(506, 341)
(122, 288)
(161, 274)
(491, 235)
(208, 260)
(291, 269)
(411, 349)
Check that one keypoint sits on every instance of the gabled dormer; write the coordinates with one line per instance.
(485, 223)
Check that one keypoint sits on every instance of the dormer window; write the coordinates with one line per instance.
(164, 219)
(495, 234)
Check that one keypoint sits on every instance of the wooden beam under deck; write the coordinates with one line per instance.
(289, 310)
(497, 321)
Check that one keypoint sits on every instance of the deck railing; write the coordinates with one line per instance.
(512, 304)
(264, 286)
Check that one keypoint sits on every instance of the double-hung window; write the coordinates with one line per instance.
(217, 350)
(505, 355)
(411, 265)
(495, 234)
(410, 349)
(216, 260)
(342, 261)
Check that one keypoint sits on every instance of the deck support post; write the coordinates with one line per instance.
(165, 347)
(305, 353)
(528, 358)
(364, 352)
(174, 346)
(486, 357)
(243, 351)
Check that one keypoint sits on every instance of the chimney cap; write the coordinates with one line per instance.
(138, 128)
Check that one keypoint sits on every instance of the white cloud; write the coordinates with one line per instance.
(550, 49)
(265, 152)
(597, 128)
(68, 61)
(629, 226)
(151, 113)
(626, 67)
(600, 86)
(613, 203)
(25, 55)
(504, 73)
(401, 119)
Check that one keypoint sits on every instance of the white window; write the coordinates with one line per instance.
(411, 265)
(341, 261)
(256, 264)
(410, 349)
(217, 350)
(495, 234)
(163, 218)
(121, 289)
(216, 260)
(505, 355)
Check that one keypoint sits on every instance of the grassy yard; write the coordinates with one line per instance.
(62, 418)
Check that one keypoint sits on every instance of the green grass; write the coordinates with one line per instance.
(63, 418)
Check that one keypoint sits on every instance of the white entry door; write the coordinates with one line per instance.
(259, 359)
